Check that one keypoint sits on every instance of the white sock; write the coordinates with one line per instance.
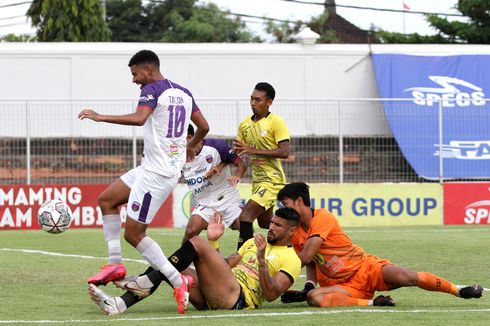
(120, 304)
(112, 232)
(153, 254)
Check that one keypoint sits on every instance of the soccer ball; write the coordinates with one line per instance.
(54, 216)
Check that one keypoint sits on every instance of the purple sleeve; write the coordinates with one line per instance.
(148, 97)
(225, 152)
(195, 108)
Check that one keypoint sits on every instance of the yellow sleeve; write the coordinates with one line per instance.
(291, 264)
(247, 243)
(240, 132)
(281, 131)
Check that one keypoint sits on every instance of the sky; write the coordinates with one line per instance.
(13, 19)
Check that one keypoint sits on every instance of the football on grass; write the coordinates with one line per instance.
(54, 216)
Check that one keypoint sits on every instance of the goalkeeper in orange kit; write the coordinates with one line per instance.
(347, 275)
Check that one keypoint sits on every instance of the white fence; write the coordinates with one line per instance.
(43, 141)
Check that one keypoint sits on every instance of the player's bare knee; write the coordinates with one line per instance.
(411, 278)
(189, 233)
(197, 242)
(104, 203)
(313, 299)
(263, 224)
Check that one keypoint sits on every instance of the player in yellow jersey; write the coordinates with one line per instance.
(260, 271)
(348, 276)
(263, 136)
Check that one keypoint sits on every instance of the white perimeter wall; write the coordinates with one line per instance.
(210, 71)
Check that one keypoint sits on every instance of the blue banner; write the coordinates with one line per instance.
(443, 128)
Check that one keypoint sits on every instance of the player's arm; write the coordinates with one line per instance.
(272, 287)
(310, 249)
(202, 128)
(201, 131)
(282, 150)
(137, 118)
(241, 168)
(233, 259)
(301, 295)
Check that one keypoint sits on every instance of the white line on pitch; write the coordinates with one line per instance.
(248, 315)
(31, 251)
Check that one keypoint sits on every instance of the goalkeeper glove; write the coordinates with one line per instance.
(297, 296)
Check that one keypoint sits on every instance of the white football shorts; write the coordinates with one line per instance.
(149, 190)
(229, 207)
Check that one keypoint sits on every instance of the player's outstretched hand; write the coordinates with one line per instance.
(88, 114)
(233, 180)
(260, 243)
(242, 148)
(216, 226)
(297, 296)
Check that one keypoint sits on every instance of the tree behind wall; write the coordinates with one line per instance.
(68, 21)
(177, 21)
(476, 30)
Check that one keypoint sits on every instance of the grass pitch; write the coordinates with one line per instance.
(43, 280)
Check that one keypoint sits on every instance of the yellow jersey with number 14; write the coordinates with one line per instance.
(265, 134)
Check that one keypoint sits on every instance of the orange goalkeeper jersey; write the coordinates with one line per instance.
(338, 258)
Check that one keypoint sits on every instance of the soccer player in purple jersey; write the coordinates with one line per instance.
(164, 110)
(212, 185)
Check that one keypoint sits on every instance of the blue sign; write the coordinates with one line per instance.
(443, 128)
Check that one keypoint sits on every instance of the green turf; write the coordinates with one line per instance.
(37, 288)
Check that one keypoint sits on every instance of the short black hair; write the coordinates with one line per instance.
(144, 57)
(270, 92)
(289, 214)
(190, 130)
(295, 190)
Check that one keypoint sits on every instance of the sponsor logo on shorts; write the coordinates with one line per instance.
(135, 206)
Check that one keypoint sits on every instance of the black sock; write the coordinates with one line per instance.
(181, 259)
(184, 256)
(246, 232)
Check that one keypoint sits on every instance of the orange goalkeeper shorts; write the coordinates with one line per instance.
(367, 280)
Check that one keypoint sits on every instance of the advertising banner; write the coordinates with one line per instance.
(442, 128)
(354, 204)
(19, 206)
(467, 203)
(380, 204)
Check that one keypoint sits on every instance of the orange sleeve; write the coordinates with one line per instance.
(320, 224)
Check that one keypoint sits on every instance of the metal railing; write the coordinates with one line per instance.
(332, 140)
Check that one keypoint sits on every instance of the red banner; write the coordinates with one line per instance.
(467, 203)
(19, 205)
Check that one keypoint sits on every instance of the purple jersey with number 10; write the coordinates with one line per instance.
(165, 130)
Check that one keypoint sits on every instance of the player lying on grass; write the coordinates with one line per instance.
(347, 275)
(212, 184)
(260, 270)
